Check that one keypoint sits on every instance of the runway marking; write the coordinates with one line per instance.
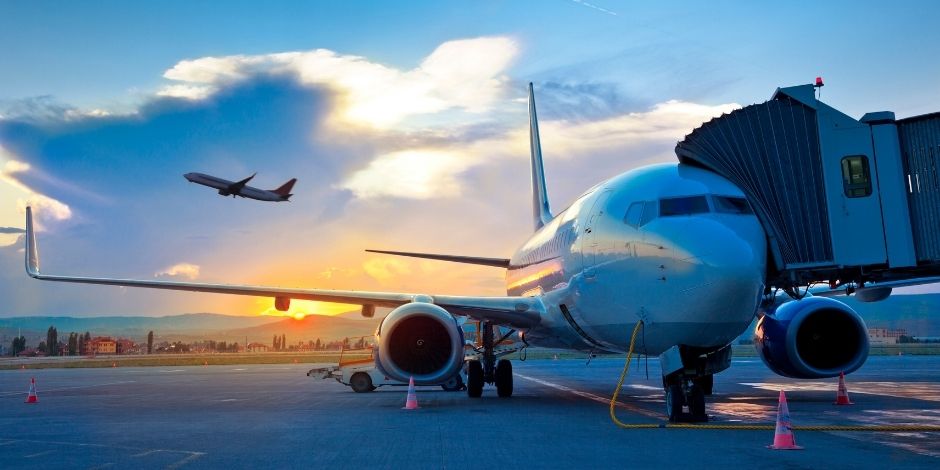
(192, 456)
(173, 370)
(39, 454)
(238, 370)
(645, 387)
(230, 399)
(591, 396)
(48, 390)
(915, 390)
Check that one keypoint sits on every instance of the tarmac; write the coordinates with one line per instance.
(266, 416)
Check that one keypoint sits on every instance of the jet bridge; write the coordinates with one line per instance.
(842, 200)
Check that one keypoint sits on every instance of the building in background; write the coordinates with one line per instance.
(881, 336)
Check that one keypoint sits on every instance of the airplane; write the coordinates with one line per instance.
(672, 245)
(240, 188)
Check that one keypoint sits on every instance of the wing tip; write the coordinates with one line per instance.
(32, 251)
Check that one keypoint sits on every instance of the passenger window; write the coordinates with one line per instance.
(634, 214)
(731, 205)
(683, 206)
(856, 178)
(649, 212)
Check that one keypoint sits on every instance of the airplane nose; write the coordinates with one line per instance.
(732, 261)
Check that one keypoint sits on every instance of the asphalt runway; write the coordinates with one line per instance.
(267, 416)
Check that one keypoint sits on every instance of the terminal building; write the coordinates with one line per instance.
(843, 200)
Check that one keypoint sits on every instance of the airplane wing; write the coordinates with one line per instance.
(516, 312)
(236, 187)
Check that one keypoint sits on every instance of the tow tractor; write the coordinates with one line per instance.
(356, 368)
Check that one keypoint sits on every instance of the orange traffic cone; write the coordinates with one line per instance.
(411, 403)
(114, 364)
(32, 398)
(205, 363)
(842, 396)
(783, 434)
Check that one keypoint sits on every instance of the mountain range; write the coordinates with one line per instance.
(918, 314)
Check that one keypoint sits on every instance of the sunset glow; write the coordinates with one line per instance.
(299, 309)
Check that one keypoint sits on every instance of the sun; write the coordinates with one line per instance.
(299, 315)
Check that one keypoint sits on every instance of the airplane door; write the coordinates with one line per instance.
(592, 237)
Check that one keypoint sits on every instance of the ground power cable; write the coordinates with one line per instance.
(744, 427)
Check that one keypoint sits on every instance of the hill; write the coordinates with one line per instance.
(189, 327)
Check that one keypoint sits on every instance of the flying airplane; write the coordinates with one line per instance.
(675, 246)
(240, 188)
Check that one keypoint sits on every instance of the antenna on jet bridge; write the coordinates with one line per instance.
(541, 211)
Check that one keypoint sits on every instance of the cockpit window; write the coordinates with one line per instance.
(633, 214)
(732, 205)
(683, 206)
(649, 212)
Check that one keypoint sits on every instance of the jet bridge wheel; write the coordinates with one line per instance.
(474, 379)
(361, 382)
(504, 378)
(454, 384)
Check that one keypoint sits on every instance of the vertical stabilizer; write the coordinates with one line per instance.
(540, 209)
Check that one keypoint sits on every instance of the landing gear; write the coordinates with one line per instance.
(474, 379)
(706, 383)
(487, 370)
(504, 378)
(682, 392)
(675, 398)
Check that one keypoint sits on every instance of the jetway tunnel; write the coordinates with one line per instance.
(841, 200)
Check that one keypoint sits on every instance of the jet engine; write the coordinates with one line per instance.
(812, 338)
(419, 340)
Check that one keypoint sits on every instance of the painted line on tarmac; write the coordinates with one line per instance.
(47, 390)
(39, 454)
(591, 396)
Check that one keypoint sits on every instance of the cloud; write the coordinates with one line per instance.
(45, 208)
(187, 270)
(462, 74)
(412, 174)
(11, 230)
(385, 269)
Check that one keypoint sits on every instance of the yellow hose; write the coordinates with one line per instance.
(744, 427)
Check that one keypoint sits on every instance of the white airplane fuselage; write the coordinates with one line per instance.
(223, 186)
(695, 279)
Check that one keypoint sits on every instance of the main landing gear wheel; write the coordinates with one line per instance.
(361, 382)
(474, 379)
(504, 378)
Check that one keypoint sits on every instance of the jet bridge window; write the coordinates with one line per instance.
(856, 178)
(731, 205)
(683, 206)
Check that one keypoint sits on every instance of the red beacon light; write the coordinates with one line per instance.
(819, 82)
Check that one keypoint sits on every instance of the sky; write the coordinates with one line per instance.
(404, 122)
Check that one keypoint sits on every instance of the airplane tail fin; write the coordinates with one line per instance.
(540, 209)
(284, 190)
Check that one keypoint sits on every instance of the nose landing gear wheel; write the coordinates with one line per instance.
(697, 404)
(504, 378)
(474, 379)
(674, 401)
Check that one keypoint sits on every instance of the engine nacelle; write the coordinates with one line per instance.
(812, 338)
(419, 340)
